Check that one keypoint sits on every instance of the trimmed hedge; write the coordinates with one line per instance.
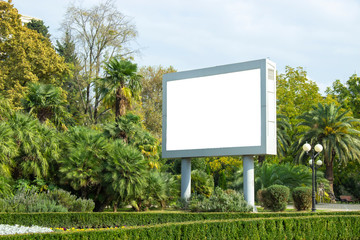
(275, 197)
(311, 227)
(302, 197)
(98, 220)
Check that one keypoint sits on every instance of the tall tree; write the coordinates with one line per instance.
(120, 85)
(348, 95)
(334, 130)
(39, 26)
(26, 56)
(100, 32)
(295, 93)
(151, 97)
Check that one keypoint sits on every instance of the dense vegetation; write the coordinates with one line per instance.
(84, 118)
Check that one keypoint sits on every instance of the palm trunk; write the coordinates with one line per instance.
(117, 102)
(329, 174)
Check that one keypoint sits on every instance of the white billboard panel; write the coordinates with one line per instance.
(220, 111)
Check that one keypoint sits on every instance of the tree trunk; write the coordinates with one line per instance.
(329, 174)
(117, 102)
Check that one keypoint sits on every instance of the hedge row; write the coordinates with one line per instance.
(310, 227)
(103, 220)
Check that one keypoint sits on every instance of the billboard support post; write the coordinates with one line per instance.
(249, 189)
(185, 178)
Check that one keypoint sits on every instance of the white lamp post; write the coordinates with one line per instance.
(318, 149)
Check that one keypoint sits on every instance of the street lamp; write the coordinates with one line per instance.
(318, 148)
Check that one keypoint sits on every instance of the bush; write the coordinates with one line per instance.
(201, 183)
(220, 201)
(302, 197)
(275, 197)
(29, 200)
(69, 201)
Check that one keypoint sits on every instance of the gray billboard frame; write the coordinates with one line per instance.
(231, 151)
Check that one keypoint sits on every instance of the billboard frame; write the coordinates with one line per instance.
(267, 88)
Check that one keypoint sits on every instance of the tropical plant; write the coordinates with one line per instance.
(334, 129)
(120, 85)
(201, 183)
(125, 173)
(37, 144)
(283, 138)
(46, 102)
(8, 149)
(82, 165)
(130, 129)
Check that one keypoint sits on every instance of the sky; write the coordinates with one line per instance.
(322, 36)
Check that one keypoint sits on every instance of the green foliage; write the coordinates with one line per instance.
(330, 126)
(220, 201)
(46, 102)
(201, 183)
(82, 164)
(151, 97)
(39, 26)
(38, 147)
(26, 57)
(216, 226)
(347, 95)
(125, 172)
(275, 197)
(302, 198)
(120, 85)
(30, 201)
(71, 202)
(8, 149)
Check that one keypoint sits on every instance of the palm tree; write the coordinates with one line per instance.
(125, 172)
(283, 138)
(46, 101)
(120, 85)
(334, 130)
(36, 144)
(8, 149)
(82, 164)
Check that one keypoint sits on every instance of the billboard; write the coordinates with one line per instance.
(220, 111)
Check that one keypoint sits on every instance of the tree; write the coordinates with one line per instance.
(125, 173)
(120, 85)
(151, 97)
(81, 165)
(100, 33)
(296, 94)
(46, 102)
(334, 130)
(347, 95)
(26, 56)
(38, 147)
(39, 26)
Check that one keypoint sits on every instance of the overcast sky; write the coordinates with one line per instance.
(322, 36)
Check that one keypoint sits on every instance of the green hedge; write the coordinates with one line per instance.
(97, 220)
(310, 227)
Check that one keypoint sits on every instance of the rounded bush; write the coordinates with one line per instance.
(275, 197)
(302, 198)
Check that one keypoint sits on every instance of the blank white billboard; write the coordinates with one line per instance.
(220, 111)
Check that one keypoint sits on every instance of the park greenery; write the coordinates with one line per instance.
(80, 126)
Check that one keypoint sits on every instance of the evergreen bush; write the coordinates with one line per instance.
(302, 198)
(220, 201)
(275, 197)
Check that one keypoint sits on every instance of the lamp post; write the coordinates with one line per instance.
(318, 164)
(318, 148)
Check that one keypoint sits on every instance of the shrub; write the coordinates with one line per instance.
(201, 183)
(302, 198)
(275, 197)
(220, 201)
(69, 201)
(29, 200)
